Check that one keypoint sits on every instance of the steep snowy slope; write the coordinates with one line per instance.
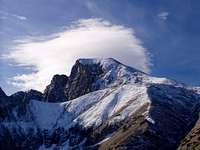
(92, 109)
(108, 106)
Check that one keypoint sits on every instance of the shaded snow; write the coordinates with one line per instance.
(46, 113)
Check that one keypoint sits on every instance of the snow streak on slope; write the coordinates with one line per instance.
(124, 101)
(91, 109)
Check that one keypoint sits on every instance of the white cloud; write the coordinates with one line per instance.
(163, 15)
(84, 39)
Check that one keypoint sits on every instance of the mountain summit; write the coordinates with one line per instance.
(90, 75)
(103, 104)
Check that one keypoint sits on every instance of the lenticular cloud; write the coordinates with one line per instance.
(86, 38)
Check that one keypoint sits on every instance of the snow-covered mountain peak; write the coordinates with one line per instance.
(106, 64)
(113, 72)
(88, 75)
(89, 61)
(101, 101)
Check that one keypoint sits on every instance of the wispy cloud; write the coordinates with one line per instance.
(163, 15)
(91, 6)
(6, 15)
(20, 17)
(84, 39)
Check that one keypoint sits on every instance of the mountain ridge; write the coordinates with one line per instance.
(103, 104)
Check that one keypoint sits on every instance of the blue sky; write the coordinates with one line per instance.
(168, 30)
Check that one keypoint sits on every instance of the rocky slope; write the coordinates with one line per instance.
(103, 104)
(192, 140)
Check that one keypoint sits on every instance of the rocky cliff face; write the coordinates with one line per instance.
(2, 94)
(87, 75)
(54, 92)
(103, 104)
(82, 79)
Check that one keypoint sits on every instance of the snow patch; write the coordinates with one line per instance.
(149, 119)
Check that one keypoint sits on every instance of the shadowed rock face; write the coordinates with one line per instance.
(82, 79)
(2, 94)
(33, 94)
(174, 110)
(17, 104)
(26, 96)
(54, 92)
(192, 139)
(4, 101)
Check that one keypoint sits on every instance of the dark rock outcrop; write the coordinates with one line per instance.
(2, 94)
(34, 95)
(18, 96)
(14, 107)
(4, 99)
(26, 96)
(82, 79)
(54, 92)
